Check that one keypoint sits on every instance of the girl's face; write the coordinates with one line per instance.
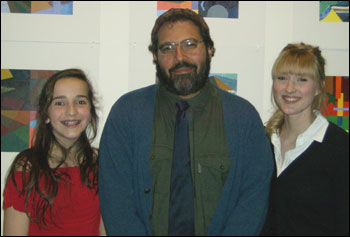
(294, 94)
(69, 111)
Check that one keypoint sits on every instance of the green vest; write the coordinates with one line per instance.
(210, 161)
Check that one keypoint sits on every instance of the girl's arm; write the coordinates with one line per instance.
(15, 222)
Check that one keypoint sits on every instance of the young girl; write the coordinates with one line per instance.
(310, 189)
(52, 187)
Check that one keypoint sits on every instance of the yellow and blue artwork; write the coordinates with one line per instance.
(334, 11)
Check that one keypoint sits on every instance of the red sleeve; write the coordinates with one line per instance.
(12, 197)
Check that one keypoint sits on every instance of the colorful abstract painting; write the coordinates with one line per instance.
(19, 95)
(225, 81)
(337, 101)
(334, 11)
(38, 7)
(219, 9)
(163, 6)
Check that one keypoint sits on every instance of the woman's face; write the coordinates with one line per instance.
(294, 94)
(69, 111)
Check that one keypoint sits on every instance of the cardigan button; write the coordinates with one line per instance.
(147, 190)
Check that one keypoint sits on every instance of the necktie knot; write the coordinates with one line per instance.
(182, 105)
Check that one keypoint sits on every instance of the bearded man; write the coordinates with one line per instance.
(183, 157)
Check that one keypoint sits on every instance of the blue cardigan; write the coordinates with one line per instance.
(125, 179)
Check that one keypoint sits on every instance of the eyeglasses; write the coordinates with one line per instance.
(187, 45)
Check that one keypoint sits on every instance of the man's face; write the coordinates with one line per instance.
(184, 69)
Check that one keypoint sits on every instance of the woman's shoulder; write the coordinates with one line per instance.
(336, 144)
(336, 135)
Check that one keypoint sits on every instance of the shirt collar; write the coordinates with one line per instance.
(316, 131)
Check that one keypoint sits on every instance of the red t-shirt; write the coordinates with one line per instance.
(75, 209)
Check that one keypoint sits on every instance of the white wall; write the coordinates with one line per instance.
(109, 40)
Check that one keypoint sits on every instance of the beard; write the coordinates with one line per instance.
(184, 84)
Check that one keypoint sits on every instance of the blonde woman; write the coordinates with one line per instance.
(310, 189)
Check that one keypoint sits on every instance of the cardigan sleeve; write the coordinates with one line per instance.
(243, 203)
(118, 203)
(256, 169)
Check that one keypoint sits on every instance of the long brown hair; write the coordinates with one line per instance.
(298, 59)
(34, 162)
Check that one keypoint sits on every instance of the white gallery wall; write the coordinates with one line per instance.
(109, 41)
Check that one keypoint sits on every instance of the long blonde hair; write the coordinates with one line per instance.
(298, 59)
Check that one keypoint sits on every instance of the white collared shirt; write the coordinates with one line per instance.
(315, 132)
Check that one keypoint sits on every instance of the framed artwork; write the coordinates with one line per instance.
(225, 81)
(20, 90)
(218, 9)
(337, 101)
(334, 11)
(38, 7)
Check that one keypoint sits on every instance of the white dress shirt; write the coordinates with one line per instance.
(315, 132)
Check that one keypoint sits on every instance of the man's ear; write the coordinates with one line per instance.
(211, 52)
(155, 59)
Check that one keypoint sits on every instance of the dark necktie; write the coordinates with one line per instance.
(181, 207)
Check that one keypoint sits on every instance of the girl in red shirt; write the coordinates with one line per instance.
(52, 187)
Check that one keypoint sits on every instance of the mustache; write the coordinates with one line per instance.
(183, 64)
